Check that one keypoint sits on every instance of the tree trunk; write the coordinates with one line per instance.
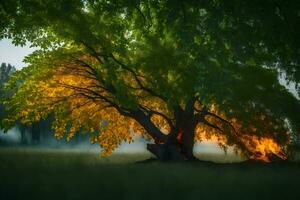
(23, 134)
(179, 143)
(35, 131)
(179, 149)
(166, 152)
(188, 141)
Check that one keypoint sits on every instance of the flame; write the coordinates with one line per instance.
(259, 148)
(263, 148)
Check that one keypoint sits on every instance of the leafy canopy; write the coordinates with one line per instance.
(100, 60)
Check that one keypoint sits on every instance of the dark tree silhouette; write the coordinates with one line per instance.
(173, 71)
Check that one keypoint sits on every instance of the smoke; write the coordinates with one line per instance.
(138, 146)
(207, 147)
(206, 150)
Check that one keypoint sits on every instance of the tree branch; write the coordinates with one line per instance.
(139, 82)
(151, 112)
(204, 112)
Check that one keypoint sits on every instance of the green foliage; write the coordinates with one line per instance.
(227, 52)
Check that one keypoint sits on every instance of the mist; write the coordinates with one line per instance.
(206, 150)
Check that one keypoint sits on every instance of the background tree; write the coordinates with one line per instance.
(6, 70)
(173, 71)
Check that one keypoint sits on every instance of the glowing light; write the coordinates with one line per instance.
(263, 148)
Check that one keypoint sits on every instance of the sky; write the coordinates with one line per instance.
(13, 54)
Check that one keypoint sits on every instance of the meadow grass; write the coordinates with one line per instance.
(36, 174)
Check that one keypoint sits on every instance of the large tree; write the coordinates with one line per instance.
(172, 71)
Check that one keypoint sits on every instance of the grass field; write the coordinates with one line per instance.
(36, 174)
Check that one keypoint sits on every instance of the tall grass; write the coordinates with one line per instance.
(26, 174)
